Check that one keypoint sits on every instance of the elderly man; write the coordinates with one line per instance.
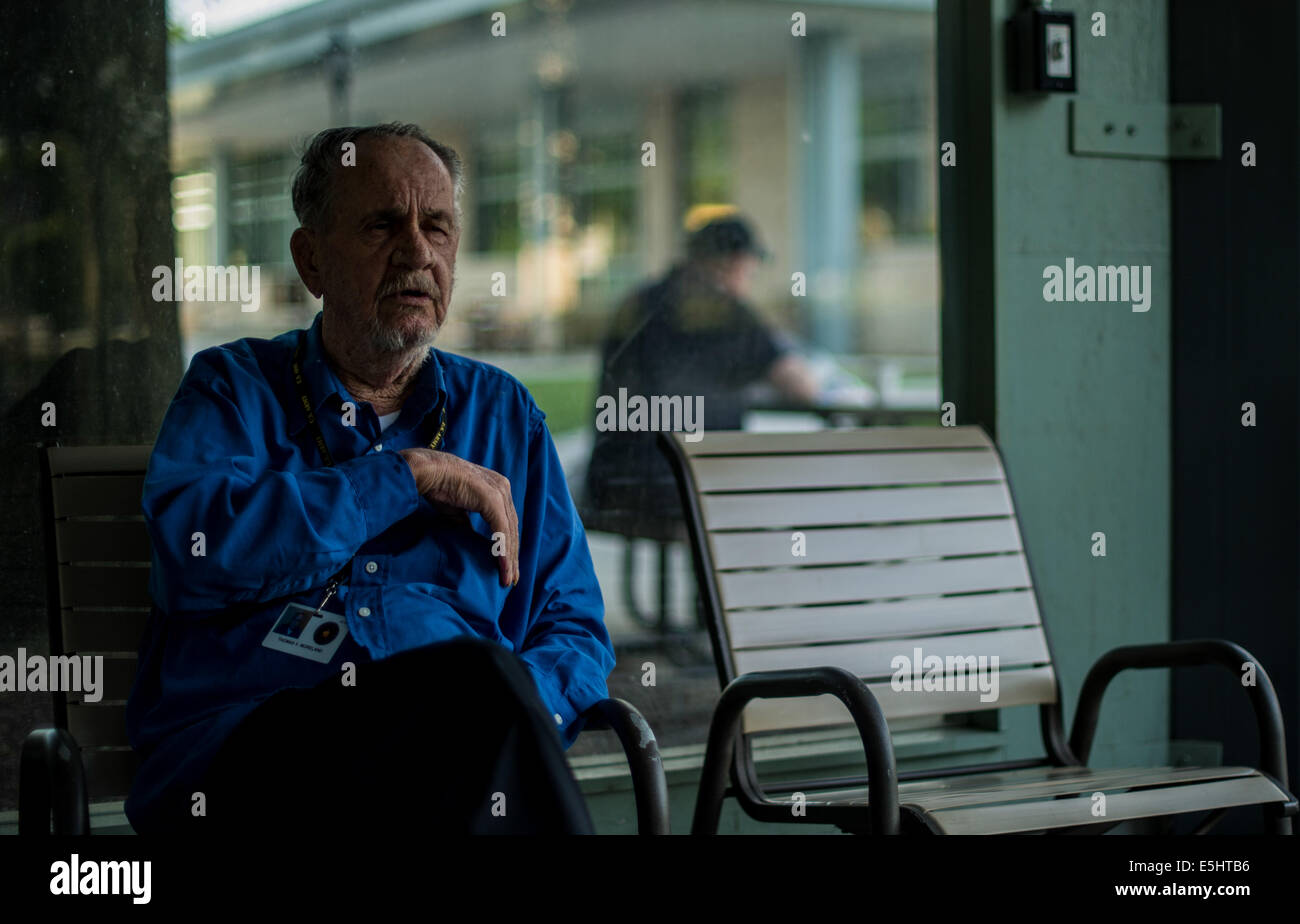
(331, 510)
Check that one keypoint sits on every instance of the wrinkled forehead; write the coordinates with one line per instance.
(393, 172)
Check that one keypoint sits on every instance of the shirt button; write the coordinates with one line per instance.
(363, 611)
(371, 567)
(558, 720)
(378, 446)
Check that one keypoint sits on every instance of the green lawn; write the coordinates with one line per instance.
(569, 403)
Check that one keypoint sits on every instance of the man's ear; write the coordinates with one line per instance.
(302, 244)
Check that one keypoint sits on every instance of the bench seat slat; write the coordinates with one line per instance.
(842, 584)
(798, 509)
(104, 630)
(97, 495)
(1013, 648)
(1015, 688)
(103, 540)
(841, 545)
(1028, 783)
(1076, 780)
(102, 585)
(116, 680)
(1015, 817)
(720, 442)
(98, 725)
(85, 460)
(844, 470)
(863, 621)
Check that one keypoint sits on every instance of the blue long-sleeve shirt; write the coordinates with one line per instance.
(236, 461)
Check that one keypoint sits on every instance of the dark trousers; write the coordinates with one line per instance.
(451, 738)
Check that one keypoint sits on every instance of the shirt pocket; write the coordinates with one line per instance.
(414, 550)
(467, 566)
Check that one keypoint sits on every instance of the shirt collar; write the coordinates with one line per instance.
(322, 383)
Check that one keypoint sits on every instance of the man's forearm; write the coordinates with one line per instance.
(221, 537)
(791, 375)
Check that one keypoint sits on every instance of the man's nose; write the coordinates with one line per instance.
(413, 248)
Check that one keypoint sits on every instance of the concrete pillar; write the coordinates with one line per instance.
(760, 125)
(219, 239)
(829, 184)
(1076, 394)
(659, 224)
(540, 277)
(78, 326)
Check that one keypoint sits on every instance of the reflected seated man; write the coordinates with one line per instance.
(373, 598)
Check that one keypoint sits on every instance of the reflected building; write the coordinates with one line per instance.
(588, 129)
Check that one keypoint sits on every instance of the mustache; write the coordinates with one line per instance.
(411, 282)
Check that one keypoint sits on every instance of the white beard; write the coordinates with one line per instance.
(385, 339)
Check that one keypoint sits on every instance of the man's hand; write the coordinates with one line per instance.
(793, 377)
(450, 480)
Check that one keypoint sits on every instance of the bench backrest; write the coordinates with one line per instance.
(909, 540)
(98, 595)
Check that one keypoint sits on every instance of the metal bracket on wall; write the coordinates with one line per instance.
(1186, 131)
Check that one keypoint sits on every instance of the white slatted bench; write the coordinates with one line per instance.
(910, 541)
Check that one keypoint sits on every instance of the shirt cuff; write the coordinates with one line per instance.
(384, 488)
(559, 708)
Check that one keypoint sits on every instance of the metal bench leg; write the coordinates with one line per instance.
(665, 626)
(52, 784)
(629, 586)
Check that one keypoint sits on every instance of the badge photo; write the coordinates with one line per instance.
(304, 633)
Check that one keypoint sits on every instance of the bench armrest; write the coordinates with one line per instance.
(649, 785)
(882, 774)
(1191, 653)
(52, 781)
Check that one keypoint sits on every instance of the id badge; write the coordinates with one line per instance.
(301, 631)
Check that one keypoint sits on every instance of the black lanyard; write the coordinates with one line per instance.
(311, 415)
(341, 575)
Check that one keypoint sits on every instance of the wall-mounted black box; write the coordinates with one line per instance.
(1040, 51)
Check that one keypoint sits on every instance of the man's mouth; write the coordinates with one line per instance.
(412, 297)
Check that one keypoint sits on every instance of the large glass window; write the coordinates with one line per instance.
(551, 121)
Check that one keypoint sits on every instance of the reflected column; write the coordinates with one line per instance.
(830, 192)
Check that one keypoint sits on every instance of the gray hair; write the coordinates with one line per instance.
(312, 184)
